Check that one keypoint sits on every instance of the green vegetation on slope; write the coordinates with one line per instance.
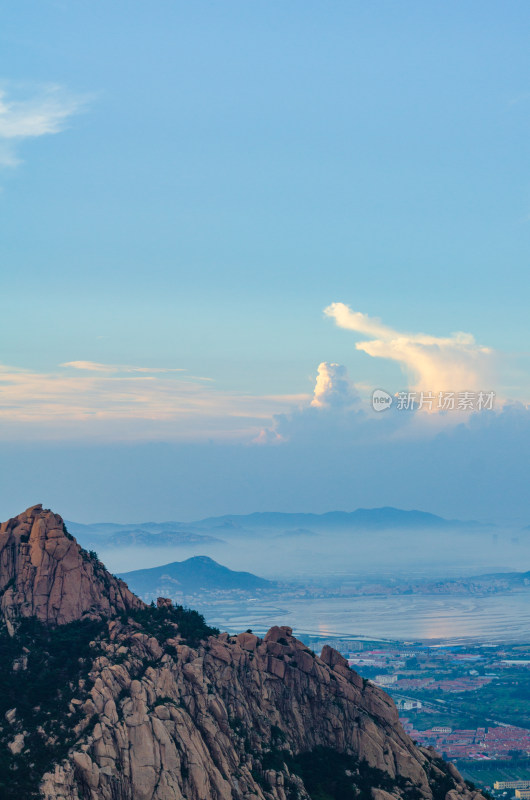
(160, 622)
(506, 699)
(484, 773)
(41, 671)
(330, 775)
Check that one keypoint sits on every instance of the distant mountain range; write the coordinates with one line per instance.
(192, 576)
(214, 530)
(143, 538)
(78, 528)
(108, 535)
(363, 518)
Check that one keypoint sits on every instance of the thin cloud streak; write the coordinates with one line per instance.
(94, 366)
(46, 111)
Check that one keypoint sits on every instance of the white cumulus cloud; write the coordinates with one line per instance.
(431, 363)
(333, 388)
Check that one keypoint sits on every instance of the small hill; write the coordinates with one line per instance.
(194, 575)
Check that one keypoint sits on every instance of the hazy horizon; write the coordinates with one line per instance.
(225, 229)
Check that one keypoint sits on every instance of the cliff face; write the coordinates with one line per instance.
(158, 708)
(45, 574)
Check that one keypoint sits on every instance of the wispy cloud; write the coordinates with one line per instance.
(117, 402)
(95, 366)
(43, 111)
(431, 363)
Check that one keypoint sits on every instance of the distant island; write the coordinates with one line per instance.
(194, 576)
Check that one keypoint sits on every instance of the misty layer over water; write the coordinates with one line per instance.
(336, 560)
(346, 553)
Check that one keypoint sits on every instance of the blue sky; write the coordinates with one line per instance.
(189, 186)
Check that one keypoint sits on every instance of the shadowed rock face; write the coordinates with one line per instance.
(45, 574)
(158, 717)
(202, 723)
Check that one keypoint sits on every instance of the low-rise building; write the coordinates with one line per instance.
(385, 680)
(408, 705)
(498, 785)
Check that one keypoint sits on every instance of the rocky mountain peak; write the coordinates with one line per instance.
(44, 573)
(111, 699)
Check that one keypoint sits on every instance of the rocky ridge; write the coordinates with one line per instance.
(159, 707)
(45, 574)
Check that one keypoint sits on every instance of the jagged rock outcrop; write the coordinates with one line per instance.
(45, 574)
(163, 710)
